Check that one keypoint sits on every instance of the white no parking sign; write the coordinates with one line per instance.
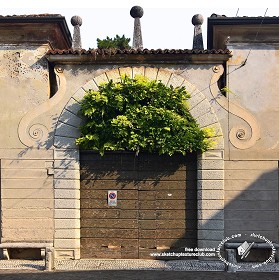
(112, 198)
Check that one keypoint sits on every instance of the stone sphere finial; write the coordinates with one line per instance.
(76, 21)
(136, 12)
(197, 19)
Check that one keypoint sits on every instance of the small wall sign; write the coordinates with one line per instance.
(112, 198)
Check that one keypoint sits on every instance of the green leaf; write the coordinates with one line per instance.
(138, 114)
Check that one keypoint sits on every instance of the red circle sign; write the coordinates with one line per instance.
(112, 195)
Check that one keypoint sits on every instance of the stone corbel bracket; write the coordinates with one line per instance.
(34, 127)
(239, 136)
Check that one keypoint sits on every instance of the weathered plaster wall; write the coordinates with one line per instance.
(251, 174)
(27, 196)
(26, 176)
(254, 86)
(24, 84)
(251, 198)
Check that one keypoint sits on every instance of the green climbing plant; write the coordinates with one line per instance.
(114, 43)
(136, 114)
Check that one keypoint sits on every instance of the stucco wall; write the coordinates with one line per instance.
(251, 174)
(24, 83)
(26, 177)
(255, 87)
(41, 131)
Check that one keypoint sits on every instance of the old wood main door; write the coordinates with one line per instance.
(156, 205)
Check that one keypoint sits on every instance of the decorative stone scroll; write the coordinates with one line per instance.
(34, 128)
(239, 136)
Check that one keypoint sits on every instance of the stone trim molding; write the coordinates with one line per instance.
(239, 136)
(210, 179)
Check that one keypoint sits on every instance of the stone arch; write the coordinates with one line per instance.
(210, 175)
(67, 126)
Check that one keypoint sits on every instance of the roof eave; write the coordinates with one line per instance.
(139, 58)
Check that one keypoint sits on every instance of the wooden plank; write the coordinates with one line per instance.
(147, 234)
(168, 224)
(109, 253)
(173, 214)
(147, 214)
(130, 165)
(107, 175)
(109, 156)
(167, 194)
(177, 243)
(167, 214)
(102, 165)
(103, 204)
(142, 157)
(176, 194)
(137, 175)
(147, 195)
(109, 233)
(108, 214)
(102, 194)
(168, 185)
(135, 184)
(166, 176)
(147, 224)
(167, 234)
(168, 204)
(94, 243)
(147, 243)
(108, 184)
(176, 233)
(176, 224)
(109, 223)
(100, 254)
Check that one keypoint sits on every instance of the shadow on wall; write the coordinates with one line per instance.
(151, 212)
(251, 207)
(161, 204)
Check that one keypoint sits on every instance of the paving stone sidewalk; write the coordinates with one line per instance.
(127, 269)
(135, 275)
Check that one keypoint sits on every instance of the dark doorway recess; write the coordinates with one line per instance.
(156, 205)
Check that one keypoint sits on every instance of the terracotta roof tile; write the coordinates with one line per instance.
(103, 52)
(30, 16)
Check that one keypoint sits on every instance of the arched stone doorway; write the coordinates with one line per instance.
(210, 165)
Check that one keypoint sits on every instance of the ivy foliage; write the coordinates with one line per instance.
(114, 43)
(140, 115)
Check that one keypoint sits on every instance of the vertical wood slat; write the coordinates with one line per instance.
(109, 232)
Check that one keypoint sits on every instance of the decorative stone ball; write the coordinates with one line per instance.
(197, 19)
(76, 20)
(136, 12)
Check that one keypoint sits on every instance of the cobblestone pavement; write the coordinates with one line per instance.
(133, 275)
